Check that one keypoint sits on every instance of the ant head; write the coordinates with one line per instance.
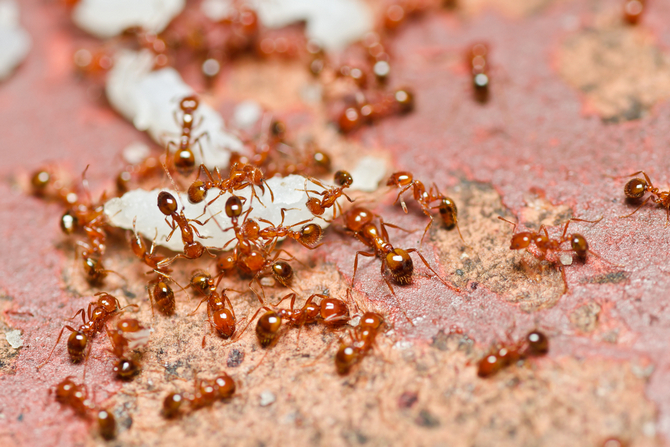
(250, 229)
(267, 327)
(197, 191)
(404, 99)
(399, 179)
(172, 404)
(322, 160)
(358, 217)
(400, 265)
(68, 223)
(343, 178)
(310, 234)
(225, 261)
(635, 188)
(107, 302)
(189, 104)
(167, 204)
(224, 385)
(126, 369)
(371, 320)
(538, 343)
(202, 282)
(579, 244)
(282, 272)
(520, 240)
(233, 207)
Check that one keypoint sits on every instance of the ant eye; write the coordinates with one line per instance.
(635, 188)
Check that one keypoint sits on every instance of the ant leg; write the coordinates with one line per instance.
(565, 280)
(151, 299)
(430, 222)
(388, 283)
(514, 224)
(638, 208)
(362, 253)
(411, 250)
(56, 344)
(290, 295)
(173, 226)
(574, 219)
(402, 201)
(82, 312)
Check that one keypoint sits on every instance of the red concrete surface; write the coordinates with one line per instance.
(532, 136)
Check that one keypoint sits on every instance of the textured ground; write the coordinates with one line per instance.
(577, 98)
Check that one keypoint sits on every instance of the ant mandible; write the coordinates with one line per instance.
(636, 188)
(447, 207)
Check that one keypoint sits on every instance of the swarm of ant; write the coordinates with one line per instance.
(255, 251)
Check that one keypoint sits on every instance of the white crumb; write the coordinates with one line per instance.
(14, 338)
(368, 173)
(14, 40)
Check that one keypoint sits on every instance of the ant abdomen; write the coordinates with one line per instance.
(579, 245)
(538, 344)
(197, 191)
(106, 424)
(449, 212)
(635, 188)
(76, 346)
(400, 266)
(268, 327)
(172, 404)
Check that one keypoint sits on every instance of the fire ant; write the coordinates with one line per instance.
(241, 176)
(128, 335)
(220, 317)
(536, 344)
(308, 236)
(479, 68)
(447, 208)
(205, 394)
(633, 10)
(396, 261)
(637, 187)
(329, 195)
(98, 313)
(362, 340)
(167, 204)
(332, 312)
(75, 396)
(184, 159)
(374, 107)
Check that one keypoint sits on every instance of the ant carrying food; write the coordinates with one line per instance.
(240, 177)
(395, 261)
(636, 188)
(536, 344)
(98, 313)
(447, 207)
(183, 158)
(362, 340)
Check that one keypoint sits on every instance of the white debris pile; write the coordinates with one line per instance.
(14, 338)
(109, 18)
(14, 40)
(142, 205)
(150, 100)
(333, 23)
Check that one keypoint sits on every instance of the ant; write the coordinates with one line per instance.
(206, 393)
(241, 175)
(75, 396)
(633, 10)
(308, 236)
(331, 311)
(447, 207)
(167, 204)
(220, 317)
(396, 261)
(98, 313)
(637, 187)
(184, 159)
(536, 344)
(369, 109)
(478, 66)
(128, 335)
(362, 340)
(329, 195)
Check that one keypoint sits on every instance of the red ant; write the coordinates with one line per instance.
(98, 313)
(206, 393)
(394, 260)
(329, 196)
(130, 175)
(184, 159)
(241, 176)
(220, 317)
(369, 109)
(447, 208)
(330, 311)
(128, 335)
(633, 10)
(75, 396)
(535, 345)
(637, 187)
(362, 340)
(167, 204)
(308, 236)
(479, 68)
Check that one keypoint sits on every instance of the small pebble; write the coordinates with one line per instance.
(267, 398)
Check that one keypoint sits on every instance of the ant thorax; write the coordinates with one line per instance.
(289, 194)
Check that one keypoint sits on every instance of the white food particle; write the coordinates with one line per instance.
(14, 338)
(109, 18)
(368, 173)
(267, 398)
(14, 40)
(150, 100)
(246, 114)
(135, 153)
(333, 23)
(566, 259)
(142, 205)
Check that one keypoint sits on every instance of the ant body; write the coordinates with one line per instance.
(329, 196)
(636, 188)
(362, 340)
(241, 175)
(536, 344)
(206, 393)
(370, 108)
(75, 396)
(98, 313)
(184, 159)
(396, 261)
(633, 10)
(332, 312)
(167, 204)
(128, 335)
(478, 65)
(220, 317)
(447, 207)
(308, 236)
